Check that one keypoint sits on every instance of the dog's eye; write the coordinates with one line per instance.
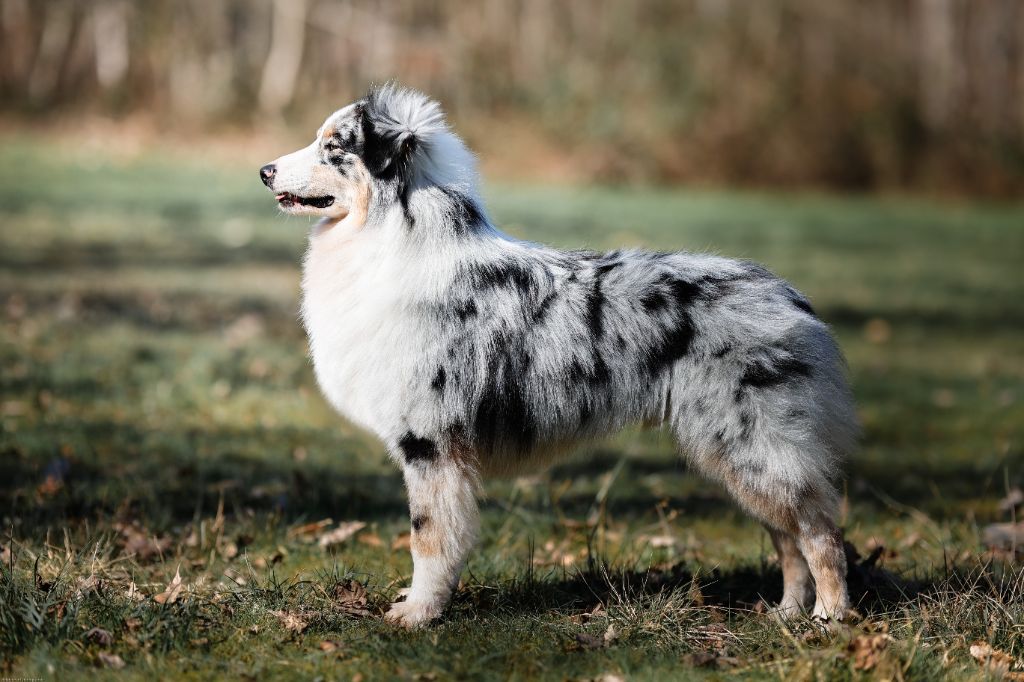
(332, 146)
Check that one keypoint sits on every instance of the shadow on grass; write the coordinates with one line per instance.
(172, 477)
(873, 589)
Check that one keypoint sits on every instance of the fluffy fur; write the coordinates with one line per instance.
(470, 353)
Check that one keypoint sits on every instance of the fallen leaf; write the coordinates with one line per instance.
(588, 641)
(170, 595)
(877, 330)
(329, 645)
(402, 541)
(308, 531)
(996, 661)
(228, 550)
(340, 534)
(610, 635)
(133, 592)
(110, 660)
(350, 598)
(138, 542)
(867, 650)
(1013, 499)
(291, 621)
(659, 541)
(1004, 535)
(5, 555)
(610, 677)
(99, 636)
(371, 539)
(133, 624)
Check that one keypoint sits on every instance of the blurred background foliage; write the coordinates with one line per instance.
(853, 94)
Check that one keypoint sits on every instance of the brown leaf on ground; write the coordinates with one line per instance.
(292, 622)
(867, 650)
(350, 598)
(343, 532)
(585, 640)
(309, 531)
(329, 645)
(587, 616)
(371, 539)
(110, 660)
(133, 592)
(5, 555)
(995, 661)
(402, 541)
(1004, 535)
(99, 636)
(1013, 499)
(49, 487)
(139, 542)
(173, 591)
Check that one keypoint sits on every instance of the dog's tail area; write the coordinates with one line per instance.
(406, 134)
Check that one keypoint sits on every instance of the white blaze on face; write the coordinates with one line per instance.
(295, 172)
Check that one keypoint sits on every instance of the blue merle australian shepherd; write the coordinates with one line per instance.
(471, 353)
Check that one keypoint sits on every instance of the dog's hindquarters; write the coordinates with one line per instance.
(771, 420)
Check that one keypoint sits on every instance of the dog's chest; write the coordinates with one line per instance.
(362, 346)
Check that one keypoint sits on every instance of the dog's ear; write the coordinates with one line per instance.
(397, 125)
(387, 149)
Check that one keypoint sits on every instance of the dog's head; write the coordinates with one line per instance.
(371, 154)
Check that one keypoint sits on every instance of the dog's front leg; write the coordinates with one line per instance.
(445, 521)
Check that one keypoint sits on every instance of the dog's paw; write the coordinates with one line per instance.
(787, 610)
(413, 614)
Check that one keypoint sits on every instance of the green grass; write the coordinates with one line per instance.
(158, 413)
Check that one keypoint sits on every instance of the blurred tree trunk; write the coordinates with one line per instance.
(286, 46)
(53, 46)
(110, 31)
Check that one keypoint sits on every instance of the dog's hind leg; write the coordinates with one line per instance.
(445, 520)
(797, 587)
(804, 519)
(800, 513)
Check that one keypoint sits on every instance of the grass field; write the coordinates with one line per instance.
(158, 415)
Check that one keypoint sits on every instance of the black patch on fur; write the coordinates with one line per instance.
(676, 296)
(386, 154)
(746, 425)
(502, 274)
(762, 374)
(542, 308)
(465, 213)
(466, 310)
(418, 522)
(803, 304)
(503, 419)
(416, 449)
(722, 352)
(440, 378)
(596, 374)
(595, 308)
(403, 199)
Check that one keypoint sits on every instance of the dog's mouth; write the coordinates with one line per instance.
(287, 200)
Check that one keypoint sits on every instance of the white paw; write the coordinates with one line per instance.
(413, 614)
(788, 609)
(836, 613)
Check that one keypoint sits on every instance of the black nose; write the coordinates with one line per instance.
(267, 174)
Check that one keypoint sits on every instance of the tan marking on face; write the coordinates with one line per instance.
(360, 195)
(328, 133)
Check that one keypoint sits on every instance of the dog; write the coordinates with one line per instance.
(470, 353)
